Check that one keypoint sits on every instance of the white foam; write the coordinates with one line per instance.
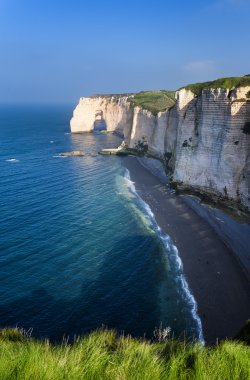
(130, 184)
(220, 220)
(59, 156)
(172, 253)
(12, 160)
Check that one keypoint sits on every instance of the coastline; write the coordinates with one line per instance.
(215, 278)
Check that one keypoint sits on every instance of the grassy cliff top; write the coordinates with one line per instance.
(158, 101)
(228, 83)
(153, 101)
(105, 355)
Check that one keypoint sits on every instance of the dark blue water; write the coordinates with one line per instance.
(78, 248)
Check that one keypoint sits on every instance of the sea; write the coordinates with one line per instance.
(79, 249)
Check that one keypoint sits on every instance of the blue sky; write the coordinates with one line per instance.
(56, 51)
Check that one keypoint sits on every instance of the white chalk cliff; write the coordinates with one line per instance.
(201, 138)
(117, 113)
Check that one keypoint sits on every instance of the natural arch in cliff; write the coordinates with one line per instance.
(99, 123)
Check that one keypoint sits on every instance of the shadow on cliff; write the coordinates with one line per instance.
(124, 297)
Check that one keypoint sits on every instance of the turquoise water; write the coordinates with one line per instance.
(79, 249)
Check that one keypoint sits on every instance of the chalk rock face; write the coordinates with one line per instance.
(157, 141)
(212, 153)
(116, 112)
(153, 130)
(143, 125)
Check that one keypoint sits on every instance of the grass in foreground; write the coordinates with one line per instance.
(228, 83)
(105, 355)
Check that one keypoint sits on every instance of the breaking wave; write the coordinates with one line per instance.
(172, 253)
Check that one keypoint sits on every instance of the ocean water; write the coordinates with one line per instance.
(79, 248)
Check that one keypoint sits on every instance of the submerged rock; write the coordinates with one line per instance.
(73, 153)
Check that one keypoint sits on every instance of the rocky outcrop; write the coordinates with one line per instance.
(77, 153)
(204, 139)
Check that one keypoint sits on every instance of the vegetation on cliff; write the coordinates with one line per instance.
(228, 83)
(154, 101)
(105, 355)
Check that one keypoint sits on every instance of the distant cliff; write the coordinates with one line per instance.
(203, 137)
(117, 113)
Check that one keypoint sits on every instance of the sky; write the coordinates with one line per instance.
(55, 51)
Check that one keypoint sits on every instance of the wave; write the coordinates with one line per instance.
(12, 160)
(59, 156)
(173, 256)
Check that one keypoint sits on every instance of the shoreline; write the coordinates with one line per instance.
(215, 278)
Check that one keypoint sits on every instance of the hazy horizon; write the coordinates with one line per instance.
(56, 52)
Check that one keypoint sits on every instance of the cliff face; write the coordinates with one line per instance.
(121, 116)
(212, 154)
(201, 138)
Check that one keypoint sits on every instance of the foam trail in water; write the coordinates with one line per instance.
(174, 258)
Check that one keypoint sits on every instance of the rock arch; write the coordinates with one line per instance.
(99, 123)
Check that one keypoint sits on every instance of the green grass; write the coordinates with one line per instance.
(105, 355)
(228, 83)
(154, 101)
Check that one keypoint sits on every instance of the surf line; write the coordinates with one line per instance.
(173, 255)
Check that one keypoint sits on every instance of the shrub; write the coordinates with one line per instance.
(142, 146)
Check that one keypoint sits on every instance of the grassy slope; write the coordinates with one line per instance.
(104, 355)
(154, 101)
(227, 83)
